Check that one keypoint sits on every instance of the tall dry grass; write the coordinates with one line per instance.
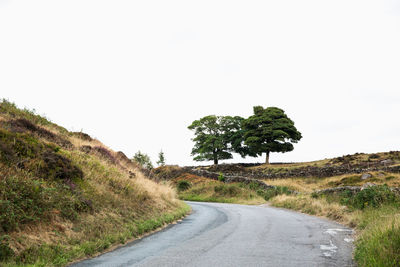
(310, 184)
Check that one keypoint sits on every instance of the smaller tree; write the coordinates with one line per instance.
(216, 137)
(143, 160)
(161, 159)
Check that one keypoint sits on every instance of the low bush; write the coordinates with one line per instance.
(183, 185)
(104, 153)
(221, 177)
(374, 196)
(41, 159)
(5, 251)
(24, 200)
(267, 193)
(22, 125)
(227, 190)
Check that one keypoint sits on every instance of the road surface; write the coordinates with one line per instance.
(238, 235)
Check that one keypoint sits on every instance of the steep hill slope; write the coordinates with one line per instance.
(65, 195)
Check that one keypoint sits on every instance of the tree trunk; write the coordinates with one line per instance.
(215, 158)
(267, 157)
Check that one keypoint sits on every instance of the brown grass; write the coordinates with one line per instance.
(310, 184)
(318, 207)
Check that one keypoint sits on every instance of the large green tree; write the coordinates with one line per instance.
(269, 130)
(216, 137)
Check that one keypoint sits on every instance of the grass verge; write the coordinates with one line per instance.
(60, 255)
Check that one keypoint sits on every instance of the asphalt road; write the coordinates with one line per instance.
(238, 235)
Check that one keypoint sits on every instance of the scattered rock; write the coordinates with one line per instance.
(366, 185)
(366, 176)
(386, 162)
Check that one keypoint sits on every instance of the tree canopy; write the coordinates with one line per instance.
(143, 160)
(161, 159)
(270, 130)
(216, 137)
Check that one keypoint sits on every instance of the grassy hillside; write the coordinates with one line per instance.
(65, 195)
(361, 191)
(194, 187)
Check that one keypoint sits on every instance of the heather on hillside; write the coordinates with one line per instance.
(65, 195)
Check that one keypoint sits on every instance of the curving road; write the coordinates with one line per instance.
(238, 235)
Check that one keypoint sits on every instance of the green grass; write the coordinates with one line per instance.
(379, 241)
(217, 191)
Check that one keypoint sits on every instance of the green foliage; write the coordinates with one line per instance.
(382, 248)
(43, 160)
(24, 200)
(214, 191)
(143, 160)
(216, 137)
(227, 190)
(161, 159)
(378, 242)
(183, 185)
(5, 251)
(374, 196)
(267, 193)
(221, 177)
(270, 130)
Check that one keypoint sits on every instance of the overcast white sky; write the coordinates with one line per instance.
(135, 74)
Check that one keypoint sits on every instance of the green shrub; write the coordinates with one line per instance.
(43, 160)
(227, 190)
(143, 160)
(373, 196)
(221, 177)
(183, 185)
(5, 251)
(24, 200)
(267, 193)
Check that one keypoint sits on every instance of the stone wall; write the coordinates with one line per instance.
(309, 171)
